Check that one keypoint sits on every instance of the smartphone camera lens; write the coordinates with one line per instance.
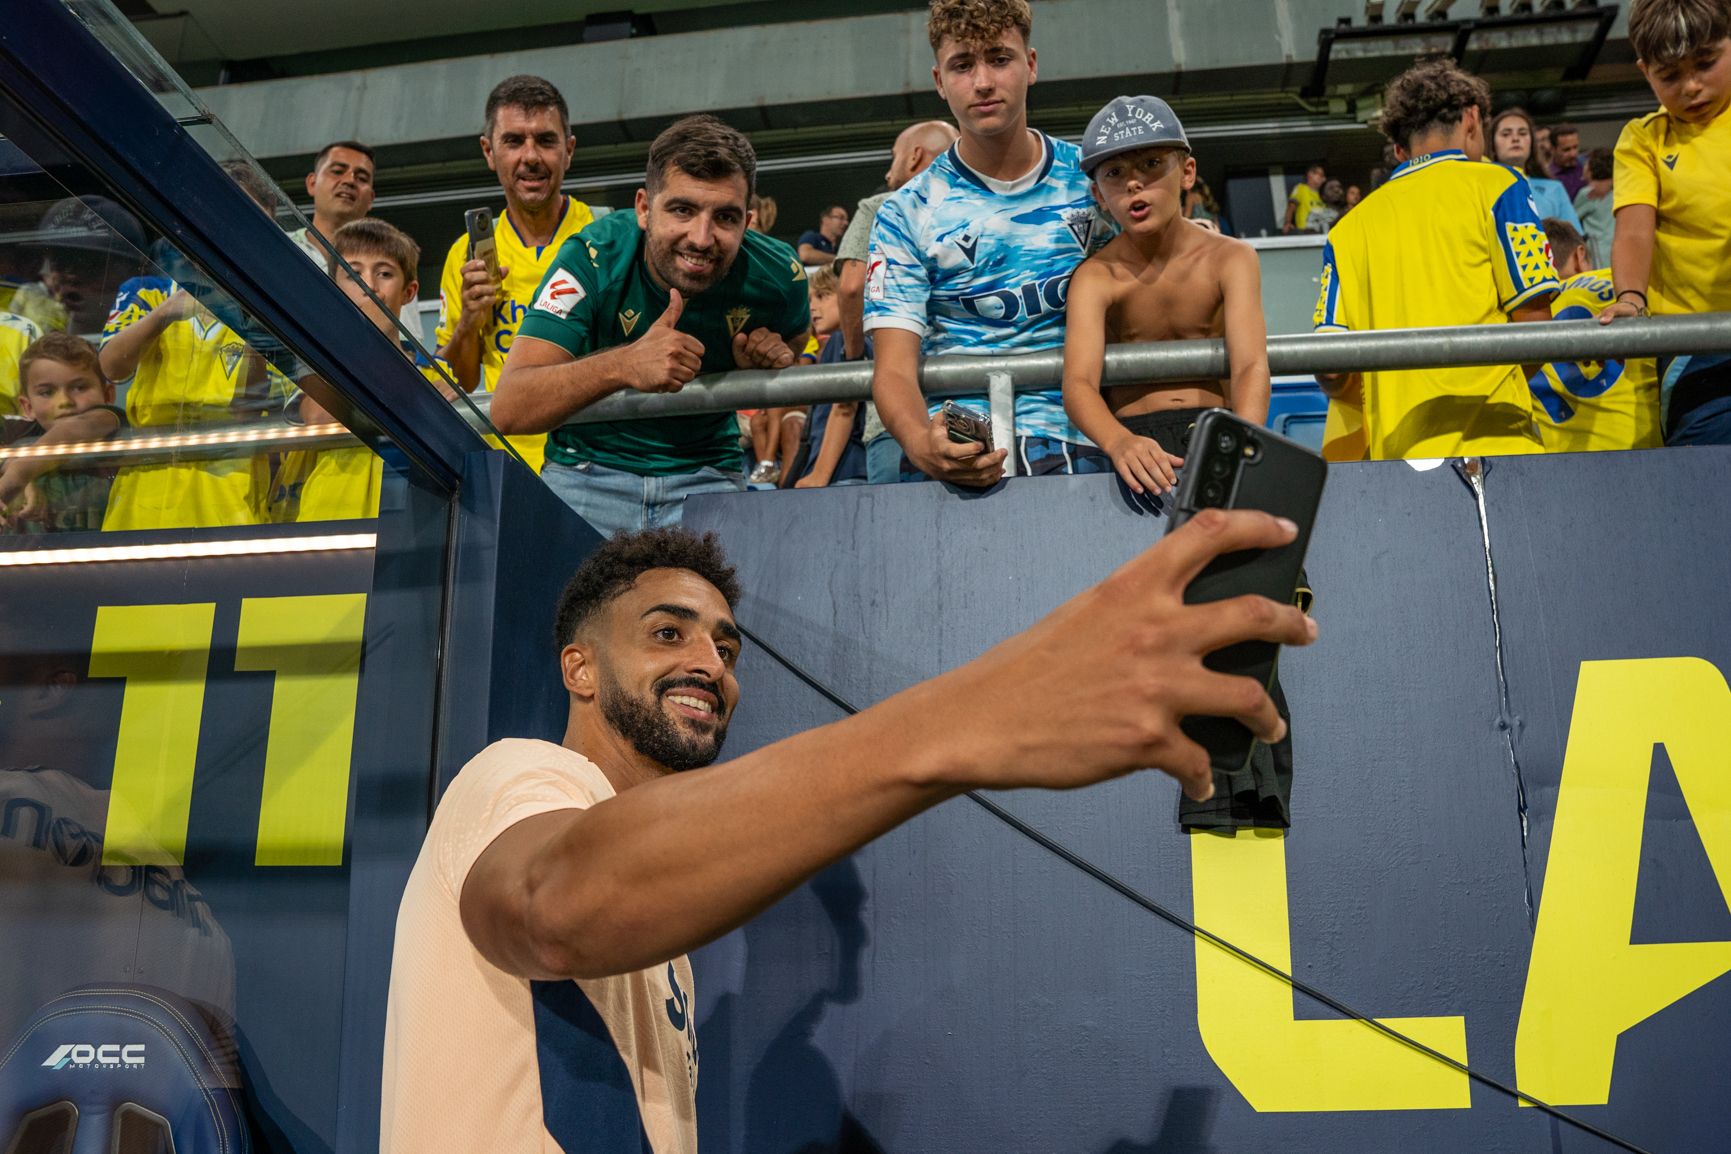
(1226, 443)
(1219, 468)
(1213, 493)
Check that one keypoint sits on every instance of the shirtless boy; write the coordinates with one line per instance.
(1162, 278)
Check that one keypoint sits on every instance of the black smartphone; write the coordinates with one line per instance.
(967, 427)
(482, 246)
(1233, 464)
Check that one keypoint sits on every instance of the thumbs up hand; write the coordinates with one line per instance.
(664, 359)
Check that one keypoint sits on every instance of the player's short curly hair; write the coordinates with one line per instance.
(977, 22)
(1662, 32)
(615, 566)
(1432, 95)
(703, 147)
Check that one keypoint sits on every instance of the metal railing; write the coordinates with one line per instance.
(1000, 377)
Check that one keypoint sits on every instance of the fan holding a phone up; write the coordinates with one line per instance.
(494, 268)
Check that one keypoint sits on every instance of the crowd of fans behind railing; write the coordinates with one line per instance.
(104, 333)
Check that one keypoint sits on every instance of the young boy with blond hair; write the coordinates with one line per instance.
(67, 400)
(1672, 251)
(1163, 277)
(837, 449)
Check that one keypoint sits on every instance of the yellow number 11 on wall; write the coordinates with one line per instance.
(312, 644)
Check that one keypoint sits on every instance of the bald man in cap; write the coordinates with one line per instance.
(915, 149)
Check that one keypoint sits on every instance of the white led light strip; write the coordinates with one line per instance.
(189, 550)
(276, 434)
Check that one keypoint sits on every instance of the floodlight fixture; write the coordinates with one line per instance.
(1566, 40)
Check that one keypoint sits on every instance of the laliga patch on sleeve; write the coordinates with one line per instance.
(875, 270)
(560, 294)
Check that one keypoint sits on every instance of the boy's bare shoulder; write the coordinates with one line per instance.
(1116, 260)
(1221, 248)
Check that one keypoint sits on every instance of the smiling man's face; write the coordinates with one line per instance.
(530, 149)
(694, 228)
(666, 664)
(342, 185)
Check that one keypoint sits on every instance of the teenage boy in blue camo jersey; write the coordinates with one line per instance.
(974, 255)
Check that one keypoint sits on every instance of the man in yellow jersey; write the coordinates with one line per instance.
(528, 144)
(343, 484)
(341, 185)
(1447, 241)
(1591, 404)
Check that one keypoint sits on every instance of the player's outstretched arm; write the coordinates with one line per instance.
(1094, 691)
(1246, 333)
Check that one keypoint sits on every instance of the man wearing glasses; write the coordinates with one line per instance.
(817, 245)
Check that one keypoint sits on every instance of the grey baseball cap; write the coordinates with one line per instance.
(93, 224)
(1129, 123)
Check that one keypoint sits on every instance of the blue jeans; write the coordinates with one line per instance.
(1708, 423)
(883, 460)
(1695, 399)
(614, 501)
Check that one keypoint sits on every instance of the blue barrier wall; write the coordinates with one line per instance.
(1512, 826)
(956, 987)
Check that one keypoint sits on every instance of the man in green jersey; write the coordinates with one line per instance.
(648, 301)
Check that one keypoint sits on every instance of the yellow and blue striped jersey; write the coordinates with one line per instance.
(1445, 242)
(1593, 404)
(525, 266)
(197, 371)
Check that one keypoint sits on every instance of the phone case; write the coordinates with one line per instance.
(479, 224)
(965, 427)
(1283, 478)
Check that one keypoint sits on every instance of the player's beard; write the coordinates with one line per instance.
(664, 260)
(652, 733)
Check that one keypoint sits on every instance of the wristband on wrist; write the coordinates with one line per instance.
(1635, 293)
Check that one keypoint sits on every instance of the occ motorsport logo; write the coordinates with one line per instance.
(82, 1056)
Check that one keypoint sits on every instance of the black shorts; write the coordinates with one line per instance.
(1168, 428)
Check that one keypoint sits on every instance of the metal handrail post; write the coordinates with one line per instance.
(1001, 396)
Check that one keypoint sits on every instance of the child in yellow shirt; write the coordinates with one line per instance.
(343, 484)
(1672, 252)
